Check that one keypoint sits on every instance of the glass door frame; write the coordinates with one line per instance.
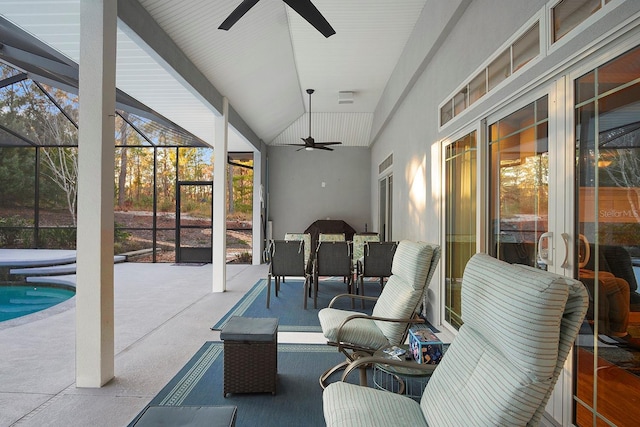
(189, 254)
(481, 199)
(560, 215)
(602, 57)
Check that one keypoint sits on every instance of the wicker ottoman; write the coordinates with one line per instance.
(250, 355)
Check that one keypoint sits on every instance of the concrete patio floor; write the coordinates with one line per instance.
(163, 315)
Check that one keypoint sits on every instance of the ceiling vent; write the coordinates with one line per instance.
(345, 97)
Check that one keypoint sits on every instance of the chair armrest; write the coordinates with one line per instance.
(370, 360)
(352, 296)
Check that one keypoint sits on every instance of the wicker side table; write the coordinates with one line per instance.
(250, 355)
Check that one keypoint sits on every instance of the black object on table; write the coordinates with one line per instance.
(328, 226)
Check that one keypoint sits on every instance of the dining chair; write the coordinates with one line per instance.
(333, 258)
(359, 239)
(376, 261)
(287, 259)
(306, 237)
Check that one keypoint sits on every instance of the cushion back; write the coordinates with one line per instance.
(359, 243)
(331, 237)
(412, 269)
(519, 325)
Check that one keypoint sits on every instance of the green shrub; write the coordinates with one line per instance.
(244, 258)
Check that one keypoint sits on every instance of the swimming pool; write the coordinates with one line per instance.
(20, 300)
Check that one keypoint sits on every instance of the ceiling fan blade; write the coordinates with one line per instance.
(308, 11)
(328, 143)
(237, 14)
(322, 147)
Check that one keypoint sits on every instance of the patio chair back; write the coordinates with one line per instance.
(306, 237)
(378, 259)
(519, 326)
(333, 258)
(287, 259)
(403, 295)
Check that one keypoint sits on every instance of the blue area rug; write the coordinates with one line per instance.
(298, 400)
(287, 307)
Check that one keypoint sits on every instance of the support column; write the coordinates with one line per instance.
(258, 209)
(220, 200)
(96, 141)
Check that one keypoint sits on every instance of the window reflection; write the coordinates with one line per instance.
(460, 219)
(608, 249)
(519, 188)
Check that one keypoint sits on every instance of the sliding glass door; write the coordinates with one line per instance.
(607, 200)
(519, 184)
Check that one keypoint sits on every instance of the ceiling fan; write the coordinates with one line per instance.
(304, 8)
(310, 143)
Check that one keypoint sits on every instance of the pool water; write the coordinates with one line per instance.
(20, 300)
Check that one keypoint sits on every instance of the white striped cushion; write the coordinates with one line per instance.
(362, 332)
(411, 262)
(403, 292)
(397, 301)
(351, 405)
(518, 310)
(477, 385)
(502, 365)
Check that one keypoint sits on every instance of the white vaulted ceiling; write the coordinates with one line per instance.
(263, 64)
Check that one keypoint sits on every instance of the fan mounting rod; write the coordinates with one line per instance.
(310, 91)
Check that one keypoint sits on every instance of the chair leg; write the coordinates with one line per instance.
(315, 290)
(268, 290)
(350, 290)
(325, 376)
(362, 289)
(343, 365)
(305, 292)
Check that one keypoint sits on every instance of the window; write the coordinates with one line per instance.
(512, 59)
(460, 219)
(567, 14)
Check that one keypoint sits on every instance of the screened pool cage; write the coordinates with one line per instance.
(163, 178)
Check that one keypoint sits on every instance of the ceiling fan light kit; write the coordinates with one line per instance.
(304, 8)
